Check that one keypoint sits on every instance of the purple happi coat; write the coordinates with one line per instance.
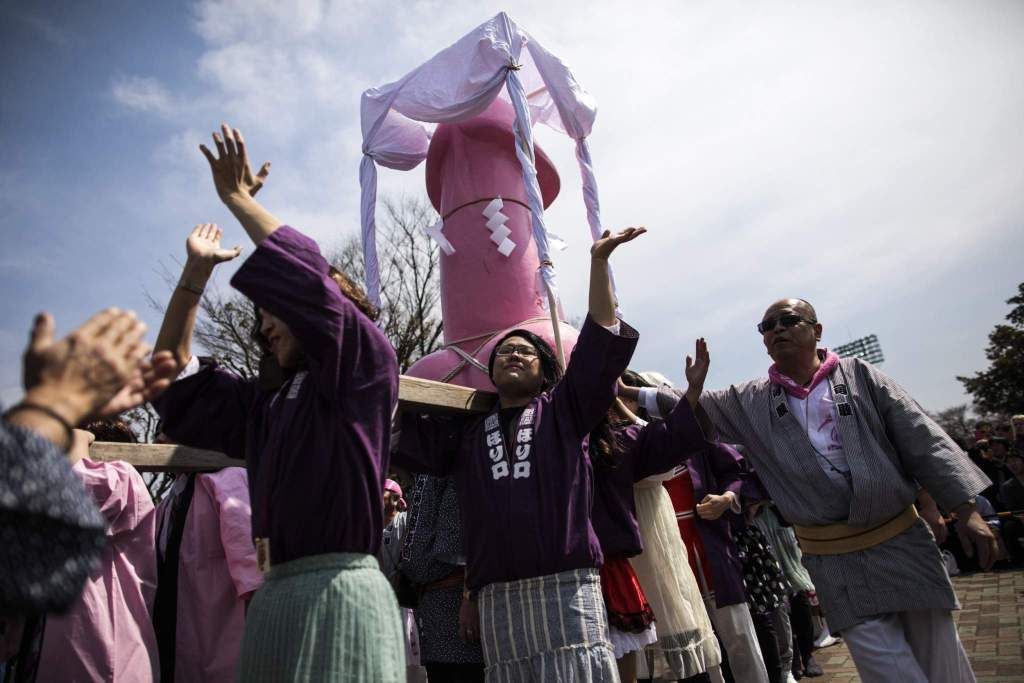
(317, 448)
(645, 450)
(717, 469)
(529, 517)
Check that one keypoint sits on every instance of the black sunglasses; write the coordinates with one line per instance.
(788, 320)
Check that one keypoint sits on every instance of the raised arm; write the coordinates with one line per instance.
(237, 186)
(663, 445)
(203, 254)
(602, 301)
(604, 347)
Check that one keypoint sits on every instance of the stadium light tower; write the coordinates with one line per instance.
(867, 348)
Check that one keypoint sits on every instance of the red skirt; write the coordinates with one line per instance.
(624, 599)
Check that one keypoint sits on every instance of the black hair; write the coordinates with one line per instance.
(111, 429)
(549, 366)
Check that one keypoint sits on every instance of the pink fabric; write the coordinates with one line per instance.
(108, 633)
(217, 573)
(395, 488)
(829, 361)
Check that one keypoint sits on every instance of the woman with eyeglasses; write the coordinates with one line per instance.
(844, 452)
(524, 482)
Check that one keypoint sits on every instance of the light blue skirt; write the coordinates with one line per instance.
(329, 617)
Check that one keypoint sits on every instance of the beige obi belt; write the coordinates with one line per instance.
(837, 539)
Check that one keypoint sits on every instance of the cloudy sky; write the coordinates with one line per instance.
(868, 157)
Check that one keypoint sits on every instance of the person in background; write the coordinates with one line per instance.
(1017, 432)
(1011, 495)
(705, 493)
(396, 519)
(433, 566)
(207, 574)
(625, 452)
(798, 581)
(107, 635)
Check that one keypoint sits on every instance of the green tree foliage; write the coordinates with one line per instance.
(1000, 388)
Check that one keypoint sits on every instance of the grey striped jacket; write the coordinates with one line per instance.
(893, 448)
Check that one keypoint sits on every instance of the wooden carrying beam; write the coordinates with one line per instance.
(428, 396)
(153, 457)
(421, 395)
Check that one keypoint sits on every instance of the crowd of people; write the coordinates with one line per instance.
(598, 524)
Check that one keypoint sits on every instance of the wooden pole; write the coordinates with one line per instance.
(556, 326)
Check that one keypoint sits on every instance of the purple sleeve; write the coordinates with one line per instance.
(588, 387)
(208, 410)
(287, 276)
(732, 473)
(229, 489)
(428, 445)
(663, 445)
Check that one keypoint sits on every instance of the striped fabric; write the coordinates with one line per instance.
(892, 447)
(329, 617)
(546, 629)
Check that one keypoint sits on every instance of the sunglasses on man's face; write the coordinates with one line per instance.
(521, 351)
(788, 320)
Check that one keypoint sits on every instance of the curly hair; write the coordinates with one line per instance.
(111, 429)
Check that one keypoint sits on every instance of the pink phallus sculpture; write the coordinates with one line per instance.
(485, 293)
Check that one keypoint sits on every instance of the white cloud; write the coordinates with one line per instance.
(142, 94)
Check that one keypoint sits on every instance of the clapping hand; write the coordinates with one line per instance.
(147, 382)
(697, 371)
(232, 175)
(603, 248)
(80, 374)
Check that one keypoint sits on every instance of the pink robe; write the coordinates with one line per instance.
(217, 573)
(107, 635)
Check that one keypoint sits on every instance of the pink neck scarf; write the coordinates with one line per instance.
(829, 361)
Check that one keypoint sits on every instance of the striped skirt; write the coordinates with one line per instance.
(546, 629)
(329, 617)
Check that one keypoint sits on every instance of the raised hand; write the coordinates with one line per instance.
(203, 246)
(603, 248)
(697, 371)
(232, 174)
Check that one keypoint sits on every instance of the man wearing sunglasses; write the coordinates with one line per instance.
(844, 452)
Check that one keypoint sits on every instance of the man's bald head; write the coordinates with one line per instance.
(798, 306)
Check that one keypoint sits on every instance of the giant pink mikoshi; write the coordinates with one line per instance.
(484, 293)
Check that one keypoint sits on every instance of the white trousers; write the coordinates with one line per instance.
(917, 646)
(736, 630)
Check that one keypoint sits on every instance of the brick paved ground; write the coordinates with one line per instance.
(991, 627)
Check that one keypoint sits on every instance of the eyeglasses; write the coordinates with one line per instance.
(788, 320)
(521, 351)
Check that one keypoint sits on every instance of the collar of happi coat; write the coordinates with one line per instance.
(829, 361)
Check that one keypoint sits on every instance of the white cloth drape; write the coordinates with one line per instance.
(458, 83)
